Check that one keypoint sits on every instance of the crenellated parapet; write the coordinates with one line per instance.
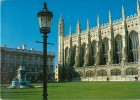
(132, 17)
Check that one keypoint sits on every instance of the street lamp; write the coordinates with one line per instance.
(45, 21)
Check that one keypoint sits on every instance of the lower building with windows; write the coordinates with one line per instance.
(108, 51)
(32, 61)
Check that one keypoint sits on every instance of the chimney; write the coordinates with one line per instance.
(4, 46)
(24, 46)
(18, 47)
(32, 49)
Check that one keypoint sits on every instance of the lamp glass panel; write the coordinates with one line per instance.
(39, 21)
(43, 21)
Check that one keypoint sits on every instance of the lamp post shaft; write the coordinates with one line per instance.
(45, 69)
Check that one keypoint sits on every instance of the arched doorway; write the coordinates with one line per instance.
(89, 75)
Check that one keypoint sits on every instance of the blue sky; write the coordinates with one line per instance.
(19, 24)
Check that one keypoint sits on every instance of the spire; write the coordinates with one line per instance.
(60, 19)
(138, 8)
(70, 37)
(78, 24)
(61, 42)
(70, 31)
(61, 26)
(123, 13)
(110, 18)
(88, 26)
(98, 21)
(78, 27)
(88, 29)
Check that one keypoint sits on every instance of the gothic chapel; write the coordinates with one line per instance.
(109, 51)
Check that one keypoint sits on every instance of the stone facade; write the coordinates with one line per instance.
(110, 50)
(32, 61)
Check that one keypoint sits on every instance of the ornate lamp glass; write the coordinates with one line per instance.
(45, 20)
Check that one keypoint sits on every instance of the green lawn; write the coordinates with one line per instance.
(77, 91)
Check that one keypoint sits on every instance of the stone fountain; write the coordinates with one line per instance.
(20, 80)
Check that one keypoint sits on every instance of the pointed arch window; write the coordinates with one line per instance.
(119, 46)
(134, 45)
(105, 50)
(73, 55)
(83, 52)
(94, 51)
(94, 48)
(66, 54)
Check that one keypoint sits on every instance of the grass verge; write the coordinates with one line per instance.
(76, 91)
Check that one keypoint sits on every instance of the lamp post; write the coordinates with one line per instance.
(45, 20)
